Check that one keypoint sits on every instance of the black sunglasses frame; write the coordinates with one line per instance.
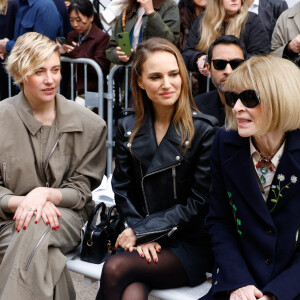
(249, 98)
(220, 64)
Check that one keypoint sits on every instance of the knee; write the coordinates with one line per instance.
(112, 269)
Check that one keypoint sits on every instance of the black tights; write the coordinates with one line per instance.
(127, 276)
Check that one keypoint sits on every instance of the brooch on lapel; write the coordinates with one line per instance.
(234, 211)
(277, 189)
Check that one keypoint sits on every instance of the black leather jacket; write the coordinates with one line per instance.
(160, 190)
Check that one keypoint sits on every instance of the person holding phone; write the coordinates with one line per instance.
(161, 181)
(141, 20)
(88, 40)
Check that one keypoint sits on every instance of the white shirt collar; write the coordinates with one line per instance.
(254, 6)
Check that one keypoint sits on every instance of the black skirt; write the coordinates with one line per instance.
(196, 259)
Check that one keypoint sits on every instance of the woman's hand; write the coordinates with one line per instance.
(248, 292)
(202, 66)
(122, 57)
(147, 5)
(150, 248)
(50, 214)
(126, 239)
(33, 203)
(3, 47)
(63, 49)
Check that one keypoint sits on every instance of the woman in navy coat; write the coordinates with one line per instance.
(255, 199)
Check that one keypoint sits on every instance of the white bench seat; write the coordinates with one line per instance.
(92, 273)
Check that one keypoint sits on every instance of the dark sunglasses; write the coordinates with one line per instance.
(220, 64)
(249, 98)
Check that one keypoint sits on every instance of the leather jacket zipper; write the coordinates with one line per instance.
(174, 182)
(35, 248)
(144, 195)
(168, 232)
(4, 172)
(45, 165)
(161, 170)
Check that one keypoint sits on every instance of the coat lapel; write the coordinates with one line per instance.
(297, 19)
(145, 149)
(286, 179)
(241, 175)
(144, 144)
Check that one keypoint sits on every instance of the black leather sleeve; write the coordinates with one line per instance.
(124, 186)
(190, 54)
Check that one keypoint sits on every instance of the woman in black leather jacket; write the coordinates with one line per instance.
(161, 181)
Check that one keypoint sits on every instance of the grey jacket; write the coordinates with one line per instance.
(75, 153)
(164, 23)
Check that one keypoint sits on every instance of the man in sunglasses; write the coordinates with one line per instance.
(225, 54)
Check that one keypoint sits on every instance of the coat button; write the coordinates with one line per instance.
(268, 260)
(128, 145)
(186, 143)
(177, 157)
(269, 231)
(128, 132)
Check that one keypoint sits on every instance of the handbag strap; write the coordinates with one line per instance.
(110, 215)
(101, 206)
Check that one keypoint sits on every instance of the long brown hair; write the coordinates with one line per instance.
(182, 118)
(213, 25)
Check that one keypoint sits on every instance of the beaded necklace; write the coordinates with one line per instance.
(265, 162)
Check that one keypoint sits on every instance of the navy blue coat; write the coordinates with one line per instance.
(255, 242)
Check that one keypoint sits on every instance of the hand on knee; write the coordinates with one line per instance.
(149, 250)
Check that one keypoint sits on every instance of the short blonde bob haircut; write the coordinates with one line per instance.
(29, 53)
(277, 81)
(143, 106)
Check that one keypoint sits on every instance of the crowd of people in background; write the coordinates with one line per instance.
(191, 25)
(203, 181)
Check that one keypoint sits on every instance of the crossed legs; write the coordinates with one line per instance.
(127, 276)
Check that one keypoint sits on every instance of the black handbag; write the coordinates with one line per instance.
(99, 240)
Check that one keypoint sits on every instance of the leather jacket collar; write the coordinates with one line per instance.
(145, 149)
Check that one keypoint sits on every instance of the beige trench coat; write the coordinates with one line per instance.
(33, 266)
(287, 27)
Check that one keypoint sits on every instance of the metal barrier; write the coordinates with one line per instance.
(110, 98)
(94, 99)
(207, 81)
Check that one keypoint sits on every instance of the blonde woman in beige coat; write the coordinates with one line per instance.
(52, 154)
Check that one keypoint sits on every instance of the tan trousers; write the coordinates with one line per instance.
(33, 266)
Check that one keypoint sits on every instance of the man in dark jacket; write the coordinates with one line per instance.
(225, 54)
(268, 11)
